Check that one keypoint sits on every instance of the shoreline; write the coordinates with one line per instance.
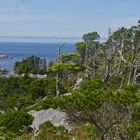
(3, 71)
(3, 57)
(40, 76)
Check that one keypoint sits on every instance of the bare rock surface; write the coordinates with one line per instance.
(56, 116)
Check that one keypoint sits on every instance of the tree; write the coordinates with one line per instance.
(70, 58)
(91, 37)
(63, 69)
(92, 44)
(112, 114)
(81, 49)
(139, 21)
(32, 64)
(37, 89)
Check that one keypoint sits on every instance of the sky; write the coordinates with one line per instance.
(66, 18)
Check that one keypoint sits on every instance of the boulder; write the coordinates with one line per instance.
(56, 116)
(3, 70)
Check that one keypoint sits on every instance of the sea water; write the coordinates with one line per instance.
(20, 50)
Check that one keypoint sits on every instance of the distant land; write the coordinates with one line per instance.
(42, 37)
(48, 39)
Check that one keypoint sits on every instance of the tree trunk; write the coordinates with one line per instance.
(57, 85)
(58, 76)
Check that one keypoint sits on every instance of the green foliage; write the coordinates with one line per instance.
(48, 103)
(83, 132)
(50, 88)
(45, 125)
(81, 49)
(37, 89)
(91, 85)
(89, 96)
(70, 58)
(69, 55)
(49, 131)
(81, 46)
(10, 135)
(111, 111)
(129, 95)
(88, 48)
(26, 136)
(90, 37)
(21, 92)
(134, 130)
(15, 121)
(65, 67)
(33, 64)
(92, 100)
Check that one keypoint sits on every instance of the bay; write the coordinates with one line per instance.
(20, 50)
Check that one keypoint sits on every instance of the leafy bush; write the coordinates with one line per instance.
(48, 131)
(15, 121)
(32, 64)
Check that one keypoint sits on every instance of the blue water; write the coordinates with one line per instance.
(20, 50)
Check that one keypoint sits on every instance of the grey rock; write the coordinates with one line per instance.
(56, 116)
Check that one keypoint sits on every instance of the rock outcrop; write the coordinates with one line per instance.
(56, 116)
(3, 70)
(2, 56)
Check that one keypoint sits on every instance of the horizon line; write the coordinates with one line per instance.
(43, 37)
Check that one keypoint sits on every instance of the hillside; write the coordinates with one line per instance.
(92, 93)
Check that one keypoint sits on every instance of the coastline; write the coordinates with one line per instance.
(3, 56)
(40, 76)
(17, 51)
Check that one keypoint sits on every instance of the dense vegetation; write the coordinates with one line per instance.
(14, 123)
(114, 114)
(103, 79)
(17, 93)
(32, 64)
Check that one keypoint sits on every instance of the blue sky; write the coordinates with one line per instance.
(65, 18)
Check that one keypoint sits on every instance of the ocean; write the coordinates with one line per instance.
(20, 50)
